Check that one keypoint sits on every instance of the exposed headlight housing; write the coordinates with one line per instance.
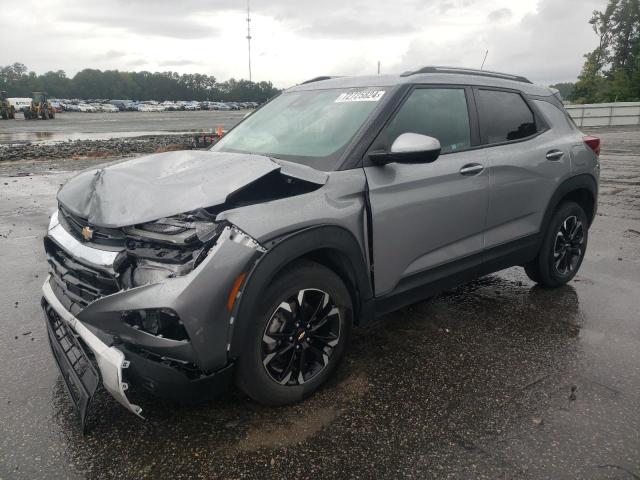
(168, 247)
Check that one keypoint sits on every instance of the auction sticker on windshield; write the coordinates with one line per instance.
(365, 95)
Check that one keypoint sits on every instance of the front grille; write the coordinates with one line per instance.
(80, 284)
(74, 225)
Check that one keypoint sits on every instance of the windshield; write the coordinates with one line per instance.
(311, 127)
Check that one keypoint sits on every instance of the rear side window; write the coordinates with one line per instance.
(438, 112)
(504, 116)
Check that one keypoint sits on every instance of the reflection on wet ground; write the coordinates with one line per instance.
(496, 379)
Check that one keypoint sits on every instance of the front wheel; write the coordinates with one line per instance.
(297, 335)
(563, 247)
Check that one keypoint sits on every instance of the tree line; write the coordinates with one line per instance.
(611, 72)
(89, 83)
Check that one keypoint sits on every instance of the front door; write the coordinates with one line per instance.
(426, 215)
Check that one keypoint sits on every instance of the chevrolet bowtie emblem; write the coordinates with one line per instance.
(87, 233)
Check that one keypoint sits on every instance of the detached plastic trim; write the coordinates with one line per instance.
(111, 361)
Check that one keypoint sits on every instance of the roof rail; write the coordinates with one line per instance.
(467, 71)
(318, 79)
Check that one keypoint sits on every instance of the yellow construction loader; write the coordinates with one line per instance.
(40, 107)
(6, 109)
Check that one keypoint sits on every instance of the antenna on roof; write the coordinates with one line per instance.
(249, 36)
(484, 59)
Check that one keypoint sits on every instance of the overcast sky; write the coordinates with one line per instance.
(294, 40)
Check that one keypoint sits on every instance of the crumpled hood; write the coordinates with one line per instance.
(160, 185)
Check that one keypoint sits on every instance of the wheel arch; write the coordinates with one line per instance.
(581, 189)
(334, 247)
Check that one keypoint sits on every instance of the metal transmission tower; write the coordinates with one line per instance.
(249, 36)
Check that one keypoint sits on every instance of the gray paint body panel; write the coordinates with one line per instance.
(522, 183)
(425, 215)
(199, 298)
(160, 185)
(339, 202)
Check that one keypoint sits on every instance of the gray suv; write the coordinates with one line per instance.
(338, 201)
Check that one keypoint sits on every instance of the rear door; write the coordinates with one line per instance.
(426, 215)
(525, 160)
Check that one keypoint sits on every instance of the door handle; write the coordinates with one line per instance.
(554, 155)
(471, 169)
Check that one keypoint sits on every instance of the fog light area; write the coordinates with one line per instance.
(161, 322)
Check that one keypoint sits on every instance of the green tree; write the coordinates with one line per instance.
(565, 89)
(611, 72)
(18, 81)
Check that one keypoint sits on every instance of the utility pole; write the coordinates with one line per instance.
(378, 67)
(249, 36)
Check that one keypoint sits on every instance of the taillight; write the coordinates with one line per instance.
(593, 143)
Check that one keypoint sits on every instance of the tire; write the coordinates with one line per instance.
(4, 115)
(563, 247)
(12, 113)
(45, 114)
(269, 366)
(52, 114)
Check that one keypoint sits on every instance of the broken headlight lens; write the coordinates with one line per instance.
(168, 247)
(183, 229)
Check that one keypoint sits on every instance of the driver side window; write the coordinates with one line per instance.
(438, 112)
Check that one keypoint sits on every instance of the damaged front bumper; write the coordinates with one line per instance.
(73, 363)
(90, 321)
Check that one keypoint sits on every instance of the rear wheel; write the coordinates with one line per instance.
(297, 335)
(563, 247)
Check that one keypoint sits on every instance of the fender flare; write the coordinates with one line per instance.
(287, 249)
(583, 181)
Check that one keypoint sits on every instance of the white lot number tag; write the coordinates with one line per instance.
(360, 96)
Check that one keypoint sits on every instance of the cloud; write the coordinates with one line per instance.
(153, 18)
(500, 14)
(333, 27)
(176, 63)
(295, 40)
(109, 55)
(544, 45)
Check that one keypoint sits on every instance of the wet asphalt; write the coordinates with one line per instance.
(101, 126)
(496, 379)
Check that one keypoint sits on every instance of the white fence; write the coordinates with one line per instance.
(605, 114)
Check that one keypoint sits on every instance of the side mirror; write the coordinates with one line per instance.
(409, 148)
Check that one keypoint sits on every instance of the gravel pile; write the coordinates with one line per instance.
(115, 147)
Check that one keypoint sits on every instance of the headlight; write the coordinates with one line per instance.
(168, 247)
(184, 229)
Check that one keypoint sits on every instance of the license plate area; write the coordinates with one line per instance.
(80, 376)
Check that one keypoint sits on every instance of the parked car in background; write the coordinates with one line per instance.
(221, 106)
(20, 103)
(107, 107)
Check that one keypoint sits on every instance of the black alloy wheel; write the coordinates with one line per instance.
(562, 248)
(300, 337)
(567, 249)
